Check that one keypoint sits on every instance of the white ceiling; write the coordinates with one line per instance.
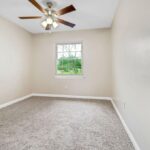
(90, 14)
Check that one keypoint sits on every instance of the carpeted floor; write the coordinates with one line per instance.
(61, 124)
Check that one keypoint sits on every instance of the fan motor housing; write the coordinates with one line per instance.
(49, 4)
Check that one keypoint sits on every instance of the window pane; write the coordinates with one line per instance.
(73, 47)
(66, 54)
(72, 54)
(66, 48)
(78, 54)
(78, 47)
(59, 48)
(59, 55)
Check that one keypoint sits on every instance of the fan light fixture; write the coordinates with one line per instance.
(49, 21)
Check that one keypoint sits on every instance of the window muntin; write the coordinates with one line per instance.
(69, 59)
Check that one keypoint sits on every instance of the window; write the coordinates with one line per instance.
(69, 59)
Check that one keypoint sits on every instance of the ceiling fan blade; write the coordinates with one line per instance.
(65, 10)
(31, 17)
(48, 27)
(37, 5)
(65, 22)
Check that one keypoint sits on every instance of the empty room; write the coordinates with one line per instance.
(74, 75)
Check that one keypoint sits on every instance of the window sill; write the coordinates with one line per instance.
(69, 76)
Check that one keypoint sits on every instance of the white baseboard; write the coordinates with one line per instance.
(72, 96)
(135, 144)
(15, 101)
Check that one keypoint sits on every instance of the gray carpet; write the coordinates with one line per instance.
(61, 124)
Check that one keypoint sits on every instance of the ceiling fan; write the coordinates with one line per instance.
(51, 16)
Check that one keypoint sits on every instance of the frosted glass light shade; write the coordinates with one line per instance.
(55, 24)
(44, 24)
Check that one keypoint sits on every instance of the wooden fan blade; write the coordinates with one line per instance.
(65, 22)
(66, 10)
(31, 17)
(37, 5)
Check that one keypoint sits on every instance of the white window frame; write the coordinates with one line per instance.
(70, 76)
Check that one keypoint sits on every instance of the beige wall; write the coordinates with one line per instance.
(131, 67)
(97, 64)
(15, 54)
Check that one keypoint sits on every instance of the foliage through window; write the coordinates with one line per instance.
(69, 59)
